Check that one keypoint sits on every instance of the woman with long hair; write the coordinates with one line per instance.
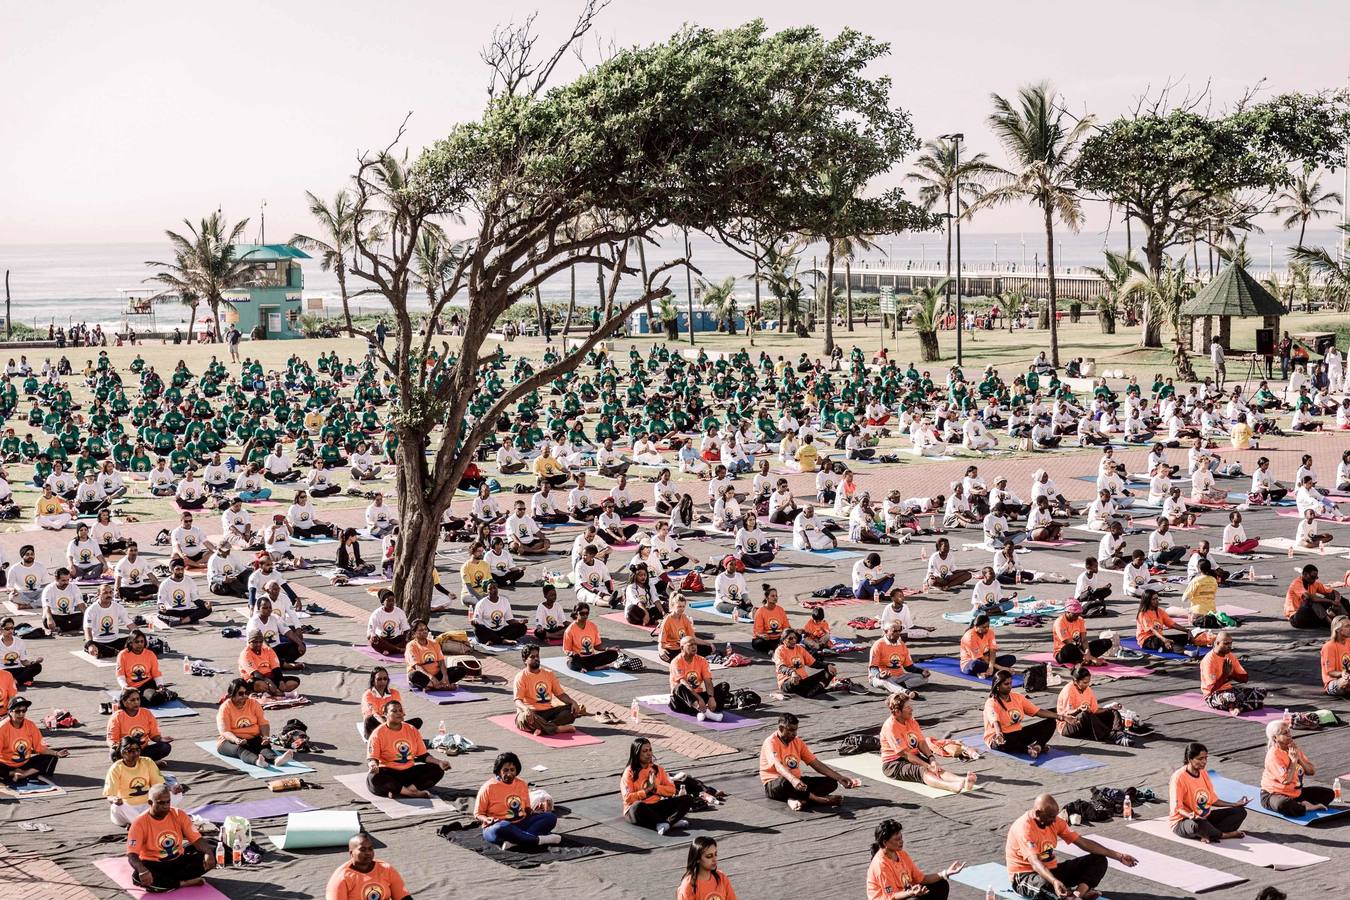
(702, 879)
(1007, 715)
(1196, 810)
(650, 798)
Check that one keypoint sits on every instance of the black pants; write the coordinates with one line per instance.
(24, 674)
(371, 723)
(1297, 806)
(154, 695)
(254, 751)
(1072, 654)
(544, 636)
(1089, 870)
(1213, 826)
(386, 782)
(553, 481)
(187, 615)
(1309, 616)
(624, 533)
(667, 809)
(286, 651)
(585, 662)
(1153, 642)
(68, 621)
(646, 616)
(764, 645)
(781, 789)
(667, 654)
(317, 530)
(44, 764)
(509, 631)
(1038, 732)
(283, 477)
(683, 698)
(170, 873)
(759, 559)
(155, 750)
(233, 587)
(1094, 726)
(810, 685)
(1276, 495)
(453, 674)
(105, 649)
(137, 593)
(508, 578)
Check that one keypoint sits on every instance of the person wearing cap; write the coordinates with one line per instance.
(1071, 643)
(1335, 659)
(1013, 507)
(23, 753)
(129, 780)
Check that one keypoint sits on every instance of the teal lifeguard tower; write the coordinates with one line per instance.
(274, 299)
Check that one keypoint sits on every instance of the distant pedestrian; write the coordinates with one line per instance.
(381, 332)
(232, 339)
(1216, 357)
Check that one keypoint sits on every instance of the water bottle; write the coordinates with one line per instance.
(440, 729)
(1251, 573)
(187, 665)
(1287, 718)
(220, 851)
(633, 712)
(237, 857)
(1336, 790)
(1128, 810)
(728, 650)
(989, 893)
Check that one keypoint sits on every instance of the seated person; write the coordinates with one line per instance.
(138, 670)
(1071, 643)
(397, 759)
(15, 661)
(1029, 854)
(376, 698)
(542, 706)
(504, 810)
(1083, 717)
(675, 627)
(63, 605)
(791, 664)
(770, 622)
(1007, 715)
(582, 645)
(133, 580)
(177, 598)
(425, 662)
(1223, 680)
(132, 720)
(189, 543)
(105, 625)
(164, 848)
(276, 620)
(692, 690)
(650, 798)
(1310, 604)
(243, 729)
(906, 754)
(24, 755)
(129, 780)
(388, 628)
(1335, 657)
(890, 666)
(84, 556)
(493, 620)
(979, 650)
(1197, 811)
(549, 622)
(264, 672)
(1282, 786)
(781, 759)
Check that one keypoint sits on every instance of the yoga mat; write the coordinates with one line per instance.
(1132, 644)
(553, 741)
(320, 828)
(1107, 670)
(101, 663)
(1228, 787)
(1161, 868)
(35, 787)
(440, 698)
(951, 665)
(835, 553)
(394, 808)
(607, 809)
(119, 871)
(1056, 759)
(313, 542)
(471, 838)
(367, 650)
(1283, 543)
(174, 709)
(623, 620)
(730, 721)
(1062, 542)
(1250, 850)
(1195, 701)
(279, 805)
(1027, 606)
(771, 567)
(706, 606)
(291, 768)
(868, 765)
(653, 656)
(987, 876)
(558, 664)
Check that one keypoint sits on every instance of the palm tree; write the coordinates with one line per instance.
(937, 175)
(1164, 293)
(925, 319)
(176, 280)
(847, 249)
(206, 261)
(334, 241)
(1042, 145)
(1119, 269)
(721, 299)
(1304, 200)
(779, 274)
(1334, 268)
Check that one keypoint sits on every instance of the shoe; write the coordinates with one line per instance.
(507, 845)
(662, 828)
(702, 716)
(712, 716)
(1125, 740)
(682, 823)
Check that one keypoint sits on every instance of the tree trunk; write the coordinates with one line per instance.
(1050, 282)
(418, 531)
(1150, 334)
(1302, 227)
(848, 290)
(192, 318)
(829, 297)
(928, 346)
(571, 303)
(642, 263)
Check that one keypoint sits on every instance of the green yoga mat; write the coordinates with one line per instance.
(321, 828)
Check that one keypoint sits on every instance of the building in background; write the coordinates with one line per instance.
(271, 306)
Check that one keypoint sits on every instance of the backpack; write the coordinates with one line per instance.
(692, 583)
(744, 698)
(1034, 677)
(860, 743)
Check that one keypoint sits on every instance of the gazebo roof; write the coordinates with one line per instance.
(1233, 292)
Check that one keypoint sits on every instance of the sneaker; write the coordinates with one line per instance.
(507, 845)
(711, 716)
(702, 716)
(662, 828)
(1124, 740)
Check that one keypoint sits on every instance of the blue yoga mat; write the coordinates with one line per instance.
(1227, 787)
(836, 553)
(706, 606)
(1059, 761)
(291, 768)
(950, 665)
(599, 676)
(1133, 644)
(991, 875)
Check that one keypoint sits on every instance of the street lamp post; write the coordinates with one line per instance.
(956, 139)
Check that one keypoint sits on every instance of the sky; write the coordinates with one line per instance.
(122, 118)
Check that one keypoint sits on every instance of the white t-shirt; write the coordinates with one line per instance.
(177, 595)
(106, 624)
(132, 573)
(61, 601)
(26, 578)
(191, 541)
(220, 568)
(84, 552)
(593, 577)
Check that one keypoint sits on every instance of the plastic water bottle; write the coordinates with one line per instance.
(1128, 810)
(989, 893)
(220, 851)
(1288, 719)
(1336, 790)
(187, 665)
(1291, 551)
(633, 712)
(440, 729)
(237, 857)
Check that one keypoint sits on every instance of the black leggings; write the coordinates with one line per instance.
(585, 662)
(509, 631)
(170, 873)
(154, 695)
(232, 587)
(683, 698)
(155, 750)
(1072, 654)
(371, 723)
(105, 649)
(386, 782)
(1094, 726)
(810, 685)
(508, 578)
(254, 751)
(1037, 732)
(781, 789)
(1297, 806)
(1153, 642)
(24, 674)
(1213, 826)
(759, 559)
(43, 763)
(1089, 870)
(765, 645)
(186, 616)
(453, 674)
(667, 809)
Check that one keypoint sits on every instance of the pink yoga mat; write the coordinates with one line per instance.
(367, 650)
(1062, 542)
(623, 620)
(553, 741)
(1194, 700)
(440, 698)
(119, 870)
(1110, 670)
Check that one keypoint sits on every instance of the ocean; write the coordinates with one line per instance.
(65, 283)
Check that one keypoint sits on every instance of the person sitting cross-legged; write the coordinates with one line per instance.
(398, 760)
(164, 847)
(906, 754)
(782, 758)
(505, 811)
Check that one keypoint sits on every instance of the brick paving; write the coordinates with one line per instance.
(37, 878)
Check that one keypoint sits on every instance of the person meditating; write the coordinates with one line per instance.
(675, 627)
(1071, 643)
(363, 877)
(581, 643)
(164, 848)
(702, 879)
(128, 782)
(243, 729)
(542, 706)
(890, 667)
(388, 629)
(791, 661)
(425, 664)
(979, 650)
(692, 690)
(1196, 810)
(906, 754)
(376, 698)
(1081, 716)
(1006, 720)
(1335, 658)
(1029, 854)
(1223, 680)
(263, 671)
(397, 758)
(650, 798)
(138, 669)
(1310, 604)
(781, 758)
(1282, 787)
(504, 810)
(24, 755)
(892, 875)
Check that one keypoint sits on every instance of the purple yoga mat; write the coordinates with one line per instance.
(253, 809)
(730, 721)
(367, 650)
(440, 698)
(1194, 700)
(1110, 670)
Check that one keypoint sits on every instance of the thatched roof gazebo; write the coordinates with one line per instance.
(1233, 292)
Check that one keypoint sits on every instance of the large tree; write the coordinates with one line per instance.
(207, 263)
(1165, 165)
(1042, 142)
(948, 180)
(716, 131)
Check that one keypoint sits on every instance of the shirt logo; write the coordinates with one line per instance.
(168, 846)
(1202, 801)
(138, 673)
(540, 692)
(138, 787)
(1015, 716)
(20, 751)
(586, 645)
(105, 625)
(402, 752)
(792, 763)
(515, 807)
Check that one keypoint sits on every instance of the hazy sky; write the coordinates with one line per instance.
(121, 118)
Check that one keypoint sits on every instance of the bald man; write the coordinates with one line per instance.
(1030, 856)
(362, 877)
(165, 849)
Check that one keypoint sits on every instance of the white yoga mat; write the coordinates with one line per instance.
(1250, 850)
(1161, 868)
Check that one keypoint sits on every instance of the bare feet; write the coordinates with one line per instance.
(970, 781)
(411, 791)
(1233, 835)
(1034, 751)
(795, 805)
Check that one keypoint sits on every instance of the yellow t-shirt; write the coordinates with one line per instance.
(476, 574)
(807, 457)
(132, 784)
(49, 506)
(1241, 436)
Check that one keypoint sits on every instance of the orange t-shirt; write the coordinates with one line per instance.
(582, 639)
(160, 840)
(798, 660)
(975, 647)
(888, 877)
(500, 800)
(1144, 622)
(1026, 840)
(1003, 718)
(1335, 660)
(1063, 631)
(770, 622)
(718, 888)
(793, 756)
(1193, 793)
(138, 668)
(1211, 672)
(244, 723)
(372, 704)
(890, 658)
(817, 630)
(633, 788)
(537, 689)
(428, 655)
(694, 672)
(1293, 598)
(142, 725)
(264, 662)
(898, 737)
(18, 745)
(673, 629)
(381, 883)
(395, 749)
(1282, 774)
(1071, 699)
(8, 690)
